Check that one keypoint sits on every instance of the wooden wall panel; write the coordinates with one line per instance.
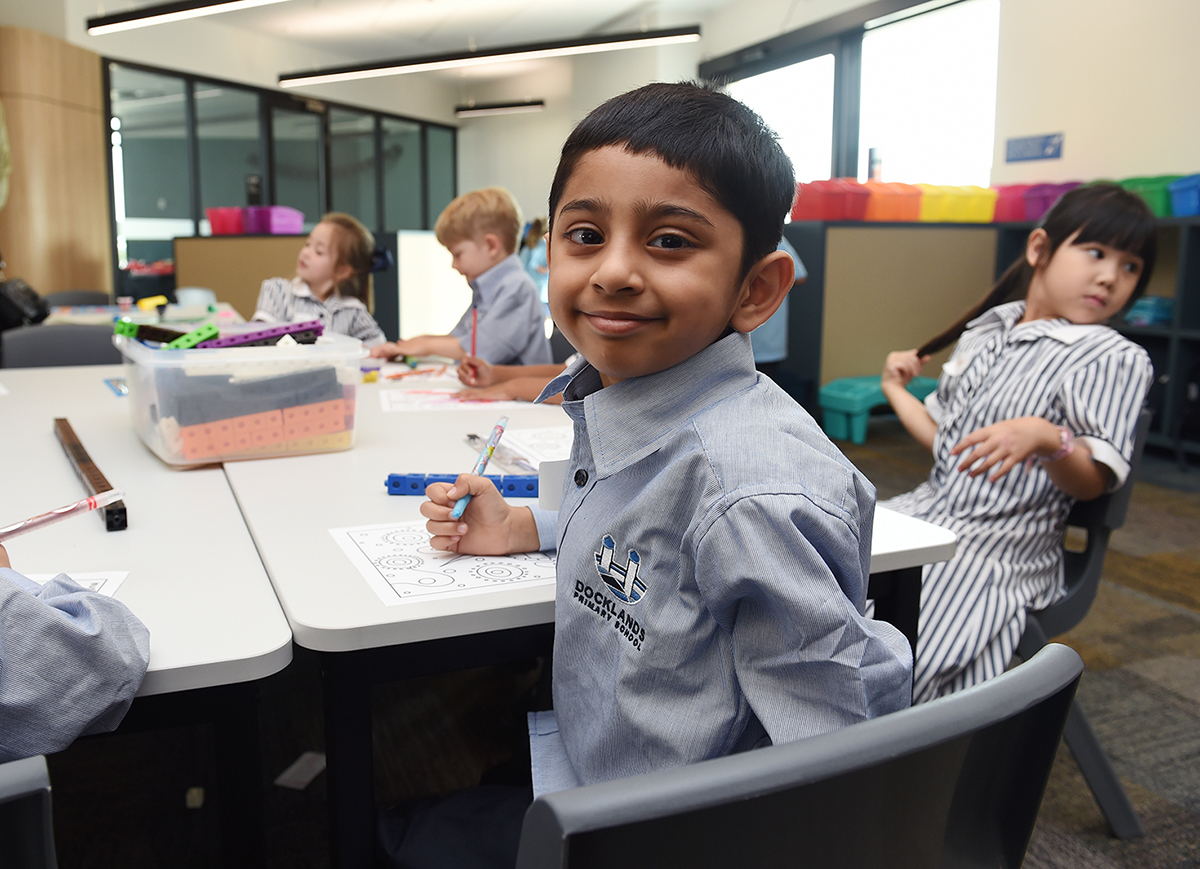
(54, 230)
(234, 266)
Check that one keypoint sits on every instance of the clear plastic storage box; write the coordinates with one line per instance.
(198, 406)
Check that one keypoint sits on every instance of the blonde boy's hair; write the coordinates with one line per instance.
(471, 216)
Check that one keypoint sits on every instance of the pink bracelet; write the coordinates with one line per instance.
(1066, 442)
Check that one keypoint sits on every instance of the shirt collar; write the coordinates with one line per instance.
(488, 284)
(630, 420)
(1007, 317)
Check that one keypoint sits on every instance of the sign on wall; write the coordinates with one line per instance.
(1034, 148)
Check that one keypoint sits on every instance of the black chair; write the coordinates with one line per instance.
(60, 344)
(955, 782)
(26, 825)
(1082, 569)
(77, 297)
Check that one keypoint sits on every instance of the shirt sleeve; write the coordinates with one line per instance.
(1102, 401)
(831, 666)
(504, 326)
(274, 301)
(71, 661)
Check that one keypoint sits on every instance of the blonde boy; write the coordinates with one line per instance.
(505, 324)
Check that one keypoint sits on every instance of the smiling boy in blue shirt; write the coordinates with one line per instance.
(713, 545)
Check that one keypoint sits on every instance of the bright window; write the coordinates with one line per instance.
(928, 105)
(797, 103)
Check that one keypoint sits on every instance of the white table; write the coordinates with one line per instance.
(291, 503)
(195, 578)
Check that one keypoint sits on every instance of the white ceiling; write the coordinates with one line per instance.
(369, 30)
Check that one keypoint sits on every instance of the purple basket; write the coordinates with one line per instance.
(273, 220)
(1039, 198)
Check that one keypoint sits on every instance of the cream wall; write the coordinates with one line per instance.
(1118, 78)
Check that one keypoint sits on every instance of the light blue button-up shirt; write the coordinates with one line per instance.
(713, 555)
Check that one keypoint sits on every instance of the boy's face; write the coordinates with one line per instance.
(644, 264)
(473, 257)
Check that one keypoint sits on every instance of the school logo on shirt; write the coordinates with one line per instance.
(622, 579)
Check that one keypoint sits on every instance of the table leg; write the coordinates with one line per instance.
(897, 596)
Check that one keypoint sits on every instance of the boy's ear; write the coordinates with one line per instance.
(493, 245)
(763, 291)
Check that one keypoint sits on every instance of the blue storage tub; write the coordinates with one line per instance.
(1185, 195)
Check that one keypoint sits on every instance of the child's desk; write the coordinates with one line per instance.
(291, 504)
(194, 575)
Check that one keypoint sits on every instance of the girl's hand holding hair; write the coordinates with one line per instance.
(901, 367)
(4, 562)
(489, 526)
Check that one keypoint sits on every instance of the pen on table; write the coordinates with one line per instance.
(86, 505)
(480, 465)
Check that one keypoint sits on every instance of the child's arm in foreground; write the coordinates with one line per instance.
(489, 525)
(421, 345)
(506, 382)
(899, 369)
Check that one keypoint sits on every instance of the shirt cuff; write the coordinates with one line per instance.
(1107, 455)
(547, 528)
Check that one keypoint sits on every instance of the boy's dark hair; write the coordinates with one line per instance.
(690, 126)
(1103, 213)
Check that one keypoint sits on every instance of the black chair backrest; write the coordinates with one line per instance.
(26, 824)
(78, 297)
(954, 782)
(59, 344)
(1099, 518)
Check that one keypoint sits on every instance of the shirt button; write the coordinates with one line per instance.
(581, 478)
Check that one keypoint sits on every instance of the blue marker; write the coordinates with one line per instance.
(480, 465)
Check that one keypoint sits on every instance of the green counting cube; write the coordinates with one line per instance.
(846, 404)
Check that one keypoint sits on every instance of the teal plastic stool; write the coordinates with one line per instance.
(846, 404)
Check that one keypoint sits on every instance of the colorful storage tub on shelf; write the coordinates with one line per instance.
(273, 220)
(1185, 196)
(1155, 190)
(1010, 203)
(833, 199)
(198, 406)
(846, 404)
(225, 221)
(965, 204)
(891, 201)
(1040, 197)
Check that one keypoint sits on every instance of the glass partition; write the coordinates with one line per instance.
(402, 159)
(229, 147)
(352, 184)
(297, 151)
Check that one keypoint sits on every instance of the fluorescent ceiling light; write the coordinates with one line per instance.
(532, 51)
(181, 10)
(480, 110)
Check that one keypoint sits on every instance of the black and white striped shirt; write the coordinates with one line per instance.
(284, 301)
(1089, 379)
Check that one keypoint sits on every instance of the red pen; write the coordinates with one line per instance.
(474, 322)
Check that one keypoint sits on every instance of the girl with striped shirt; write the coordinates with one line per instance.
(1035, 409)
(332, 283)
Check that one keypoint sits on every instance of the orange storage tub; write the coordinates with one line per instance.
(893, 201)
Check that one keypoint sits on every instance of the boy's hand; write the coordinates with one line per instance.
(489, 526)
(1004, 445)
(387, 350)
(473, 371)
(902, 366)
